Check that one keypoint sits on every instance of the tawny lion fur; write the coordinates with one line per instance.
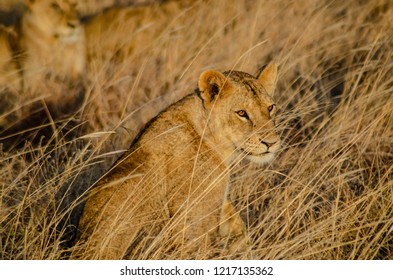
(51, 42)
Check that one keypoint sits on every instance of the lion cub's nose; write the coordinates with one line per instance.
(268, 144)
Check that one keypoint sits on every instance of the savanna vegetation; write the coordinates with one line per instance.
(328, 194)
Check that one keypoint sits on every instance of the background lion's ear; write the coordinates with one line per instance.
(210, 84)
(268, 77)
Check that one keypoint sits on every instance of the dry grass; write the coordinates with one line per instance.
(329, 194)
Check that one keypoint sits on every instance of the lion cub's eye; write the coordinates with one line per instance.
(242, 114)
(270, 108)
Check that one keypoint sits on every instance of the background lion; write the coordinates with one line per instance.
(46, 59)
(51, 42)
(10, 82)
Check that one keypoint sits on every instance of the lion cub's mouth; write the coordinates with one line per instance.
(68, 35)
(259, 158)
(250, 153)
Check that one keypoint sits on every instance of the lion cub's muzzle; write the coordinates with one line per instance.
(261, 150)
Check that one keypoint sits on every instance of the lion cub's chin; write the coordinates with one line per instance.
(261, 159)
(69, 38)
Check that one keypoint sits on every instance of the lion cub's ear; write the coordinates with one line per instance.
(268, 77)
(210, 84)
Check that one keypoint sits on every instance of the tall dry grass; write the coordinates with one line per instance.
(328, 195)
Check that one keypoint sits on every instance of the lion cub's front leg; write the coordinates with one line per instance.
(232, 227)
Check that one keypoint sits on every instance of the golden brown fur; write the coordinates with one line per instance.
(51, 42)
(10, 81)
(171, 186)
(44, 60)
(9, 76)
(119, 32)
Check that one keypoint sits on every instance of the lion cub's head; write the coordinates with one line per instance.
(242, 112)
(56, 18)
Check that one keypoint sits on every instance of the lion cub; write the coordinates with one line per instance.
(51, 42)
(167, 196)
